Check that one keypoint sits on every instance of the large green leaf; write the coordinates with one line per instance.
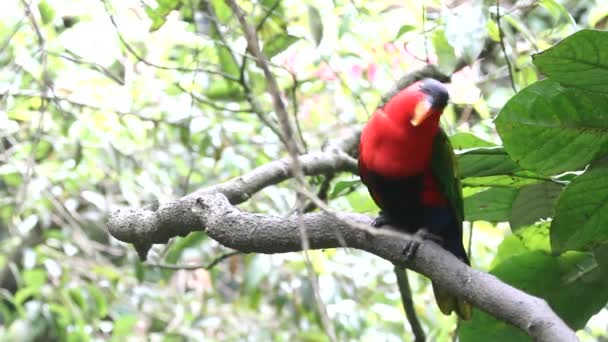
(556, 279)
(580, 60)
(549, 129)
(520, 206)
(482, 163)
(493, 205)
(463, 141)
(534, 202)
(516, 180)
(580, 215)
(486, 161)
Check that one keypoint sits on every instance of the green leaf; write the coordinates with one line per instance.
(343, 187)
(445, 52)
(34, 278)
(534, 202)
(227, 61)
(123, 326)
(557, 11)
(182, 243)
(47, 13)
(580, 60)
(492, 205)
(77, 297)
(403, 30)
(278, 44)
(315, 24)
(493, 31)
(345, 23)
(550, 129)
(224, 90)
(159, 14)
(556, 279)
(535, 237)
(99, 300)
(222, 11)
(524, 240)
(580, 215)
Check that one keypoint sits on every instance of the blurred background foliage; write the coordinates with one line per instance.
(113, 103)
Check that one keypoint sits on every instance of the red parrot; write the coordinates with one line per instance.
(408, 165)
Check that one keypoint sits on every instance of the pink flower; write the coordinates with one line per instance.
(355, 71)
(325, 73)
(372, 69)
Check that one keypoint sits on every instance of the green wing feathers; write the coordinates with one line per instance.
(444, 167)
(445, 170)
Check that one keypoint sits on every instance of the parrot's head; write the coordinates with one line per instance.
(418, 107)
(432, 102)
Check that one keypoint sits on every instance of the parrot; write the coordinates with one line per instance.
(408, 165)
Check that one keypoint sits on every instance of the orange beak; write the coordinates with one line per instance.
(421, 112)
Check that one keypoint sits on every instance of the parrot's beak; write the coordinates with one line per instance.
(421, 112)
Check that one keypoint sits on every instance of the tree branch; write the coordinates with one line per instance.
(256, 233)
(408, 304)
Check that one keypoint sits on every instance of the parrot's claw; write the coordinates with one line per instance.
(412, 246)
(410, 249)
(380, 221)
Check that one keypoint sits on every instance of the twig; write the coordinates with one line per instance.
(46, 85)
(269, 12)
(408, 303)
(207, 266)
(210, 103)
(287, 130)
(472, 223)
(294, 100)
(502, 46)
(242, 79)
(16, 29)
(98, 67)
(322, 193)
(426, 39)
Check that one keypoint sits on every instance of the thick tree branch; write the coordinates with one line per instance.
(159, 224)
(250, 232)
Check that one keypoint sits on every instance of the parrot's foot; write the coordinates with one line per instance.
(412, 246)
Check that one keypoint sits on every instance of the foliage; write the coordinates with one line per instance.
(549, 128)
(118, 103)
